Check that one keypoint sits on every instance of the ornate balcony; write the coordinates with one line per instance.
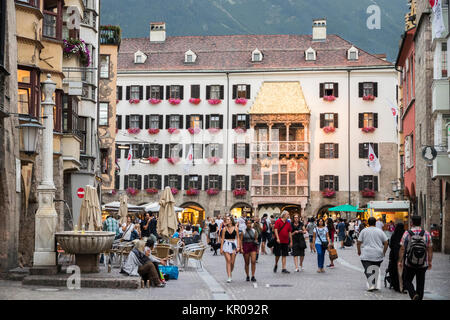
(279, 191)
(280, 147)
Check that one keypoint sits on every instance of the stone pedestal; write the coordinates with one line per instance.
(88, 263)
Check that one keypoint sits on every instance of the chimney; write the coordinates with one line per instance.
(319, 29)
(157, 32)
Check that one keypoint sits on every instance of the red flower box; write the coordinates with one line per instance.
(239, 160)
(173, 160)
(195, 100)
(174, 191)
(213, 160)
(134, 101)
(329, 129)
(132, 191)
(152, 191)
(370, 97)
(240, 130)
(194, 130)
(134, 130)
(192, 192)
(213, 130)
(173, 130)
(153, 131)
(153, 160)
(242, 101)
(368, 129)
(328, 193)
(174, 101)
(154, 101)
(329, 98)
(368, 193)
(113, 192)
(239, 192)
(214, 101)
(212, 191)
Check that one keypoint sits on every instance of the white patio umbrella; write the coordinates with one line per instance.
(123, 209)
(90, 213)
(167, 220)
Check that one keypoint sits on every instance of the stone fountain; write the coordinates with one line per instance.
(86, 246)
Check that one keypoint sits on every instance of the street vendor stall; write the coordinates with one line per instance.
(387, 211)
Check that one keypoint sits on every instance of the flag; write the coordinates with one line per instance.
(394, 111)
(189, 160)
(129, 159)
(374, 163)
(438, 21)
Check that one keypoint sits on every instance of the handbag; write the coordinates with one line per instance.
(324, 243)
(333, 254)
(271, 243)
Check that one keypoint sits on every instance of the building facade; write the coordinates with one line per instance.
(271, 122)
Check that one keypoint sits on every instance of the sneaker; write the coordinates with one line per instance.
(229, 280)
(247, 279)
(296, 270)
(275, 268)
(301, 269)
(371, 288)
(330, 266)
(285, 271)
(253, 279)
(416, 297)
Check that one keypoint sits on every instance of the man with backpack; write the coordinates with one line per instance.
(265, 232)
(416, 255)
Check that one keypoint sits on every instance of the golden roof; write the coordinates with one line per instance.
(280, 98)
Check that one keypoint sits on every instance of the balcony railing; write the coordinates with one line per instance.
(276, 190)
(281, 146)
(110, 35)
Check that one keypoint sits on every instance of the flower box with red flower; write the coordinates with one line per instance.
(213, 130)
(195, 100)
(240, 130)
(368, 193)
(192, 192)
(132, 191)
(194, 130)
(174, 191)
(153, 160)
(134, 130)
(369, 97)
(152, 191)
(173, 130)
(117, 130)
(113, 192)
(242, 101)
(174, 101)
(329, 129)
(117, 101)
(328, 193)
(239, 160)
(329, 98)
(213, 160)
(368, 129)
(154, 101)
(214, 101)
(134, 101)
(239, 192)
(173, 160)
(212, 191)
(153, 131)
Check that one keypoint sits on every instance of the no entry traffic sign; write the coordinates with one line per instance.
(80, 193)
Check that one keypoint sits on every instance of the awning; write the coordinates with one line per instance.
(345, 208)
(114, 206)
(154, 207)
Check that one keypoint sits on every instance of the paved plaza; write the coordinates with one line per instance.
(346, 281)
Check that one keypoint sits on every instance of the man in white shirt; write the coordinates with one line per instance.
(219, 221)
(380, 224)
(241, 224)
(372, 245)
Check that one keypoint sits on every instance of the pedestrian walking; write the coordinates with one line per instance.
(372, 245)
(380, 224)
(331, 233)
(394, 245)
(265, 232)
(415, 257)
(257, 227)
(341, 232)
(321, 240)
(283, 236)
(299, 244)
(310, 228)
(213, 236)
(351, 229)
(230, 244)
(249, 240)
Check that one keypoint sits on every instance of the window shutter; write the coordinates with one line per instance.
(141, 120)
(221, 121)
(247, 121)
(322, 151)
(233, 123)
(208, 92)
(168, 121)
(336, 183)
(140, 151)
(235, 87)
(375, 120)
(119, 89)
(188, 121)
(195, 91)
(222, 92)
(161, 92)
(233, 182)
(179, 182)
(167, 92)
(336, 120)
(322, 120)
(180, 150)
(147, 95)
(247, 183)
(128, 92)
(361, 120)
(147, 122)
(206, 182)
(186, 182)
(375, 183)
(220, 183)
(167, 151)
(336, 89)
(361, 150)
(221, 151)
(180, 121)
(119, 122)
(181, 92)
(118, 153)
(158, 182)
(200, 183)
(375, 149)
(322, 183)
(361, 183)
(207, 151)
(161, 122)
(375, 89)
(207, 121)
(160, 151)
(146, 182)
(336, 150)
(202, 126)
(321, 90)
(247, 151)
(127, 122)
(166, 181)
(141, 93)
(117, 182)
(125, 184)
(361, 89)
(247, 94)
(235, 150)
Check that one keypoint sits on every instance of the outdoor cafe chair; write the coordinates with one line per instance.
(193, 251)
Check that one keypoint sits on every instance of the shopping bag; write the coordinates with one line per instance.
(171, 271)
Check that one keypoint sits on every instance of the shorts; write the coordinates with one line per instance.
(229, 246)
(341, 237)
(266, 236)
(249, 247)
(298, 252)
(311, 239)
(281, 249)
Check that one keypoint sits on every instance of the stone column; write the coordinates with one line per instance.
(46, 216)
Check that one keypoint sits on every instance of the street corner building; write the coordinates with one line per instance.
(251, 124)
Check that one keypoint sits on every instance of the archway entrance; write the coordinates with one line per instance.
(323, 213)
(241, 209)
(193, 213)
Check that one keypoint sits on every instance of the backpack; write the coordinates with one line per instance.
(264, 228)
(416, 250)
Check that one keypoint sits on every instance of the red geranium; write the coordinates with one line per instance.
(214, 101)
(153, 131)
(195, 100)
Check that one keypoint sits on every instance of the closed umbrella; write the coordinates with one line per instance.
(123, 209)
(90, 213)
(167, 220)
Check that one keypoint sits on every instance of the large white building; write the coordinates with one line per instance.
(302, 102)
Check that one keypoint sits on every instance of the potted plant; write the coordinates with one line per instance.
(132, 191)
(134, 130)
(152, 191)
(214, 101)
(173, 130)
(153, 160)
(212, 191)
(77, 47)
(239, 192)
(368, 193)
(329, 98)
(113, 192)
(173, 160)
(369, 97)
(213, 160)
(195, 100)
(239, 160)
(242, 101)
(174, 101)
(194, 130)
(134, 101)
(154, 101)
(153, 131)
(329, 129)
(368, 129)
(192, 192)
(174, 191)
(328, 193)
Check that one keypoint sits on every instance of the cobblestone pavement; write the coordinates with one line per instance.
(346, 281)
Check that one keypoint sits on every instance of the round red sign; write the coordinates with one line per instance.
(80, 193)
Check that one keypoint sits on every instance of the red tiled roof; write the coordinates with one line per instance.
(233, 52)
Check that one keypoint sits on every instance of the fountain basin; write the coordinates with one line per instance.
(86, 247)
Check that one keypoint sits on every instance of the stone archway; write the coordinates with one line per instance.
(193, 213)
(242, 209)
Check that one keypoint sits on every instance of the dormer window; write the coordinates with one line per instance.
(190, 57)
(257, 56)
(352, 54)
(310, 54)
(140, 57)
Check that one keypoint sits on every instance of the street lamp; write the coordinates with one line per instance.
(29, 133)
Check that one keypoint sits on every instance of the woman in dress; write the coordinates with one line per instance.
(230, 244)
(321, 236)
(299, 244)
(249, 240)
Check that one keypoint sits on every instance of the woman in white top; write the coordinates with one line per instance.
(127, 229)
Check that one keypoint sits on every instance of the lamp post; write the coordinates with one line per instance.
(46, 215)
